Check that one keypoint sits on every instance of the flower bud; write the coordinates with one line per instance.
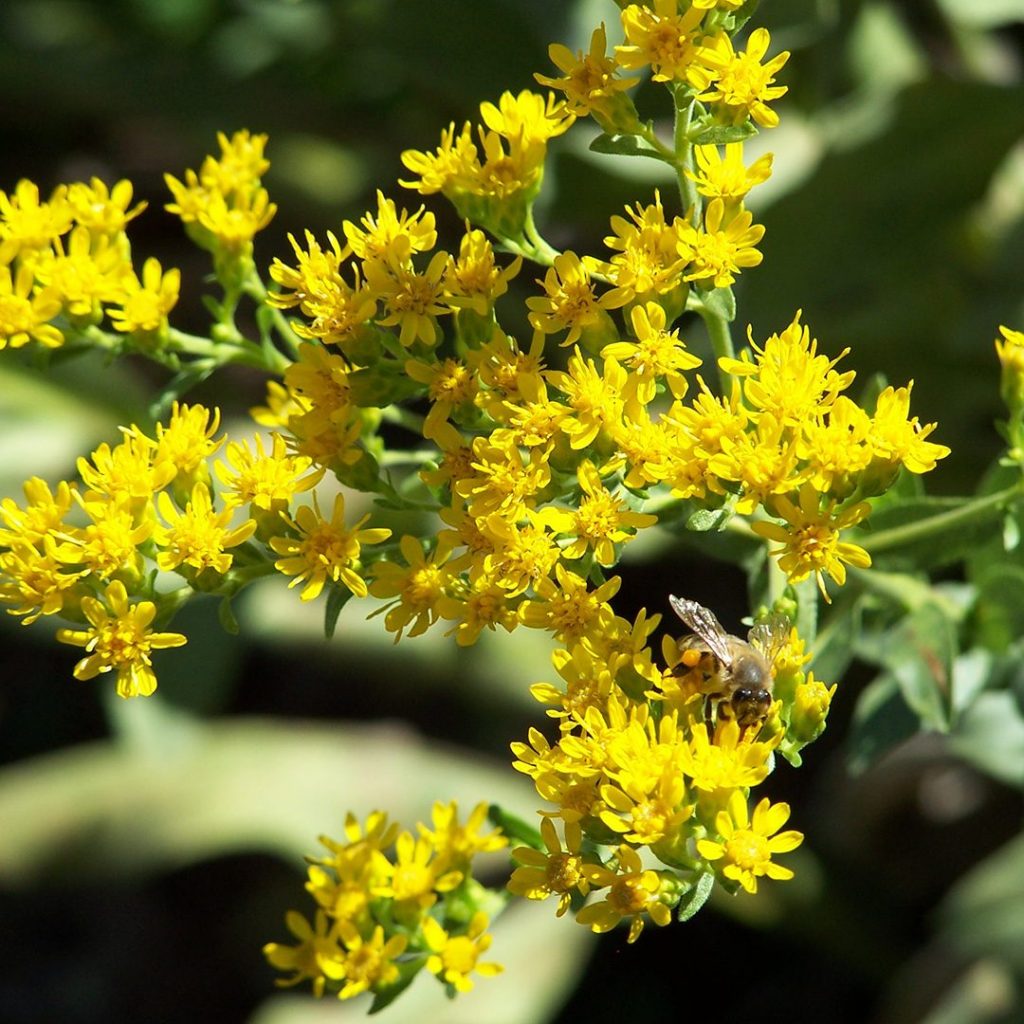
(810, 709)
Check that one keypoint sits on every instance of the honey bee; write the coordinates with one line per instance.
(739, 672)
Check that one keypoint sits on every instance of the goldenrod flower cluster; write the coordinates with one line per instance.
(66, 260)
(532, 460)
(91, 550)
(382, 916)
(650, 768)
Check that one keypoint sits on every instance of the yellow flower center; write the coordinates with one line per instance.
(564, 871)
(747, 850)
(15, 314)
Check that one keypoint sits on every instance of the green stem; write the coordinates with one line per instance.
(684, 151)
(721, 343)
(540, 251)
(403, 418)
(971, 512)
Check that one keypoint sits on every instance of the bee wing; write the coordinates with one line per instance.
(770, 637)
(705, 625)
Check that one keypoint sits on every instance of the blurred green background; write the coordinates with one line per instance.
(148, 849)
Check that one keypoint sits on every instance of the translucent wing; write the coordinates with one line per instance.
(705, 625)
(770, 637)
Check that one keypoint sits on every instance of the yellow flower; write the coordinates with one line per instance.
(101, 209)
(656, 354)
(837, 447)
(504, 481)
(1010, 351)
(724, 247)
(600, 521)
(810, 539)
(524, 553)
(473, 280)
(120, 639)
(268, 480)
(416, 876)
(555, 873)
(731, 759)
(646, 263)
(507, 373)
(482, 604)
(633, 892)
(568, 609)
(588, 684)
(417, 587)
(198, 536)
(459, 844)
(596, 398)
(42, 515)
(318, 955)
(571, 302)
(726, 177)
(132, 471)
(24, 315)
(643, 815)
(763, 461)
(109, 544)
(187, 440)
(233, 225)
(746, 846)
(143, 305)
(899, 438)
(240, 165)
(591, 84)
(368, 963)
(738, 84)
(454, 957)
(88, 270)
(811, 701)
(28, 224)
(391, 236)
(412, 301)
(324, 549)
(660, 38)
(450, 169)
(527, 120)
(451, 385)
(37, 582)
(787, 377)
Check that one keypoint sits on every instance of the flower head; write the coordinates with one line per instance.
(745, 847)
(120, 639)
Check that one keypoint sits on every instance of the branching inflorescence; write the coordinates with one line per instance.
(542, 457)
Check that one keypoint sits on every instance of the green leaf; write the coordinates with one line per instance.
(381, 385)
(721, 302)
(919, 653)
(696, 897)
(982, 13)
(407, 971)
(928, 552)
(626, 145)
(881, 721)
(984, 913)
(181, 383)
(990, 734)
(704, 519)
(515, 828)
(999, 609)
(113, 811)
(723, 134)
(337, 598)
